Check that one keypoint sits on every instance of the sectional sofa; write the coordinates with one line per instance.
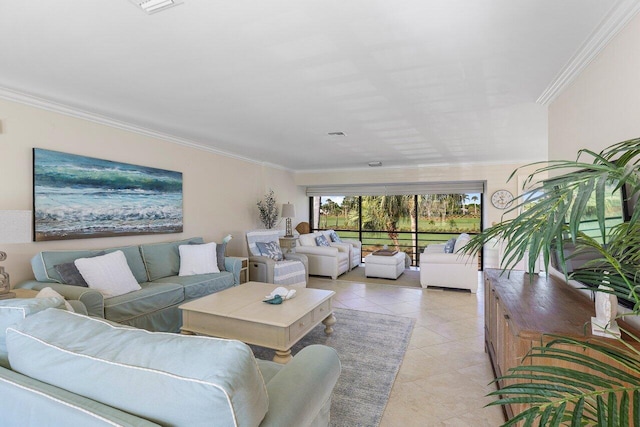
(155, 267)
(63, 368)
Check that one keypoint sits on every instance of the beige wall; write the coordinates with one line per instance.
(602, 106)
(220, 193)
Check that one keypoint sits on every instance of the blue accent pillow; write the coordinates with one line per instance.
(334, 237)
(322, 241)
(448, 247)
(270, 249)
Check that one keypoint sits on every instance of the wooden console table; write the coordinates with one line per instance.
(518, 313)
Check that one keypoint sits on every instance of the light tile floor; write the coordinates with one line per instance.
(445, 375)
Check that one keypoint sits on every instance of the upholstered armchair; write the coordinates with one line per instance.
(329, 259)
(355, 247)
(268, 264)
(441, 265)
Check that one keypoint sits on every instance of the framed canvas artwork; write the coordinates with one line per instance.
(77, 197)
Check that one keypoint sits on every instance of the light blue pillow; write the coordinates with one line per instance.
(270, 249)
(322, 241)
(334, 237)
(448, 247)
(169, 379)
(15, 310)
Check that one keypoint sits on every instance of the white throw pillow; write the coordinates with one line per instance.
(108, 274)
(50, 293)
(198, 259)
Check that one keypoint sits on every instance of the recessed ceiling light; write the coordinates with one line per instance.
(337, 134)
(375, 164)
(153, 6)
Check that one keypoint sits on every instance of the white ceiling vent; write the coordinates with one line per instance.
(153, 6)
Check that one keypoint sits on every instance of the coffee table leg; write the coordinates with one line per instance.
(282, 356)
(328, 323)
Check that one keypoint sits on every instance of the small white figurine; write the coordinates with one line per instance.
(604, 324)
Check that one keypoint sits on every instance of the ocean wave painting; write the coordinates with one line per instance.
(82, 197)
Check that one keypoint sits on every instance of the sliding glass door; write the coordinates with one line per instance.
(405, 222)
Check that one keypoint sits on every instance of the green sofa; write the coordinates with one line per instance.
(155, 267)
(68, 369)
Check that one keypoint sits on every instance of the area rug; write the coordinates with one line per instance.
(371, 347)
(410, 278)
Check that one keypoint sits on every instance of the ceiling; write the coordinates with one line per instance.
(410, 82)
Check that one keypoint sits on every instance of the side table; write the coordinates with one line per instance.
(244, 270)
(288, 244)
(19, 293)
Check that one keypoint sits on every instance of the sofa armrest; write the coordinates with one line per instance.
(434, 248)
(262, 259)
(318, 250)
(302, 387)
(353, 242)
(233, 265)
(442, 258)
(342, 246)
(92, 299)
(293, 256)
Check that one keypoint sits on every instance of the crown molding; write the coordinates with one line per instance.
(619, 16)
(45, 104)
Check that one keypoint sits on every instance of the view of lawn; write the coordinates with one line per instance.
(405, 223)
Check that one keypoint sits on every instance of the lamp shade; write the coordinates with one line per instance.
(288, 210)
(15, 226)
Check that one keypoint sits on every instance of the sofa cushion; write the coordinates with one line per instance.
(44, 263)
(163, 259)
(201, 284)
(109, 274)
(170, 379)
(462, 240)
(308, 239)
(334, 236)
(198, 259)
(150, 298)
(15, 310)
(34, 403)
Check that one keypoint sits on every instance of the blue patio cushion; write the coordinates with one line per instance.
(152, 297)
(170, 379)
(199, 285)
(44, 263)
(163, 259)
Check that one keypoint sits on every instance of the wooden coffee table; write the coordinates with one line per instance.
(240, 313)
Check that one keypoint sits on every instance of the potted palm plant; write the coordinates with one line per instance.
(548, 216)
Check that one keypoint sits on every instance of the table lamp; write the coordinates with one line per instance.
(288, 212)
(15, 227)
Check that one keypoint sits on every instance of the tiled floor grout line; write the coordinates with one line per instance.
(445, 375)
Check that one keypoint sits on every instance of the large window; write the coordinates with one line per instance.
(404, 222)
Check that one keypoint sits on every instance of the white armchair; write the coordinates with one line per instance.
(449, 270)
(292, 270)
(355, 248)
(330, 260)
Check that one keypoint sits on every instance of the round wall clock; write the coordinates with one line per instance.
(501, 199)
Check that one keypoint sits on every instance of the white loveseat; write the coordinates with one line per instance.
(330, 260)
(450, 270)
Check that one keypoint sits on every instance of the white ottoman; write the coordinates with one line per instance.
(386, 267)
